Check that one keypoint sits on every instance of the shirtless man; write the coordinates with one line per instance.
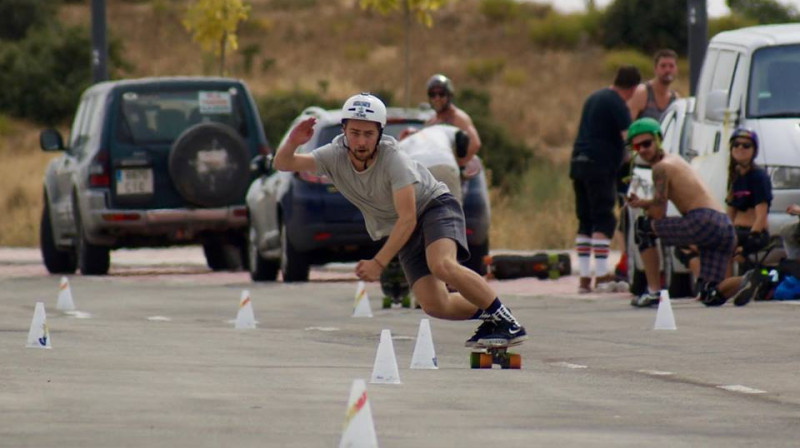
(651, 98)
(440, 95)
(702, 221)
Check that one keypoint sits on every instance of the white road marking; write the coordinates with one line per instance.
(656, 372)
(742, 389)
(159, 319)
(322, 329)
(79, 314)
(568, 365)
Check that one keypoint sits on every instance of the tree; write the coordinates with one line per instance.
(18, 16)
(213, 25)
(646, 25)
(422, 9)
(763, 11)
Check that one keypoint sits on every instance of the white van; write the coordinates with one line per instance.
(751, 77)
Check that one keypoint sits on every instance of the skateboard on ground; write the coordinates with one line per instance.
(395, 286)
(485, 357)
(541, 265)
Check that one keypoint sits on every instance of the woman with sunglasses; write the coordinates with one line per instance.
(749, 195)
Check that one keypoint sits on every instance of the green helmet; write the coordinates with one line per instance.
(644, 126)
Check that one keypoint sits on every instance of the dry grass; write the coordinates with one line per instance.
(537, 94)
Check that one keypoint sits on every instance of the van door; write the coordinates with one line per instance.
(712, 121)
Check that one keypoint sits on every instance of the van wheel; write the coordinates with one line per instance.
(92, 259)
(638, 282)
(209, 164)
(222, 255)
(294, 266)
(261, 269)
(55, 260)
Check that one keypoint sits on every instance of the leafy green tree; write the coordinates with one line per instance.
(646, 25)
(421, 9)
(764, 11)
(18, 16)
(213, 25)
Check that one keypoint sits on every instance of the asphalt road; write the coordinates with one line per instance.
(153, 360)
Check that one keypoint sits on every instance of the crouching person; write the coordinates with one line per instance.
(702, 223)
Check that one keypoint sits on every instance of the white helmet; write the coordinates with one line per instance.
(364, 106)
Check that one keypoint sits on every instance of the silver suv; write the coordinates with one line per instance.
(151, 162)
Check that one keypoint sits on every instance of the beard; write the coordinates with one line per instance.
(362, 154)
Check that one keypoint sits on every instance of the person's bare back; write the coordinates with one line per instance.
(684, 187)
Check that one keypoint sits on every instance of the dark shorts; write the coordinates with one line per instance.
(443, 218)
(710, 230)
(595, 195)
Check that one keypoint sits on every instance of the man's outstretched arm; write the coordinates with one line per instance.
(286, 159)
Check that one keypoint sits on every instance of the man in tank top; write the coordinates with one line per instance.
(652, 97)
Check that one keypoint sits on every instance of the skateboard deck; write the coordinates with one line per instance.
(395, 286)
(486, 357)
(541, 265)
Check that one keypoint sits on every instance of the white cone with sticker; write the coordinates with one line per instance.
(424, 356)
(358, 429)
(385, 371)
(665, 320)
(65, 302)
(39, 334)
(245, 318)
(361, 307)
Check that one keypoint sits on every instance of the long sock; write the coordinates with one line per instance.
(583, 246)
(600, 249)
(498, 311)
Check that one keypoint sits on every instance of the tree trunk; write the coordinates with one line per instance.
(407, 20)
(222, 54)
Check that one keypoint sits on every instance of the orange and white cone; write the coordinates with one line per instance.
(361, 307)
(358, 429)
(665, 320)
(245, 318)
(39, 333)
(65, 302)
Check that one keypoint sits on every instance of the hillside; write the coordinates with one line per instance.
(335, 48)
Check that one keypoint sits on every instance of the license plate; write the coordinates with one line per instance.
(135, 181)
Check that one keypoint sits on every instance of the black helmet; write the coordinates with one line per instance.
(440, 81)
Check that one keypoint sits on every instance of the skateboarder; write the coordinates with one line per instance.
(401, 200)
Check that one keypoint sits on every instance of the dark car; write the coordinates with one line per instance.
(151, 162)
(298, 219)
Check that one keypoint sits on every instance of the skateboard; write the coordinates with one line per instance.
(541, 265)
(395, 286)
(486, 357)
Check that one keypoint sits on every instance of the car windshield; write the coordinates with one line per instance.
(394, 129)
(775, 83)
(161, 116)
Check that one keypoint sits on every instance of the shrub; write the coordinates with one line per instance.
(727, 23)
(506, 159)
(561, 31)
(279, 108)
(484, 70)
(19, 16)
(646, 26)
(617, 58)
(499, 11)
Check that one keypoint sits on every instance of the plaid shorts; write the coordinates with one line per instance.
(710, 230)
(443, 218)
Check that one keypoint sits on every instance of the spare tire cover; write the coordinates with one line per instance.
(209, 165)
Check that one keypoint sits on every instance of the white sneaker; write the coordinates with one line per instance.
(622, 286)
(606, 287)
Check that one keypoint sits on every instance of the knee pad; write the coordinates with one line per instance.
(710, 295)
(755, 242)
(644, 236)
(685, 255)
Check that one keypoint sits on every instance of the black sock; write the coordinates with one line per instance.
(477, 315)
(499, 312)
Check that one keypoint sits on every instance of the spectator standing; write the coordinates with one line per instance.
(597, 156)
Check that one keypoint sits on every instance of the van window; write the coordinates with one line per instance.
(774, 89)
(723, 72)
(705, 79)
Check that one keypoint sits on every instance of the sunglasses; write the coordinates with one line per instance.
(435, 93)
(644, 144)
(745, 145)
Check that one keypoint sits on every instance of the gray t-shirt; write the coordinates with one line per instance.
(371, 190)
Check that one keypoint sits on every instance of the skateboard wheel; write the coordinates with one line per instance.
(387, 302)
(480, 360)
(514, 362)
(406, 302)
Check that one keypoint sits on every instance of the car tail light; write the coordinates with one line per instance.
(240, 212)
(309, 177)
(322, 236)
(98, 170)
(117, 217)
(470, 232)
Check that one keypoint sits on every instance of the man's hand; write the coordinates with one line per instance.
(368, 270)
(793, 209)
(302, 132)
(635, 202)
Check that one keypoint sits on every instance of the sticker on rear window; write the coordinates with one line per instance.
(215, 102)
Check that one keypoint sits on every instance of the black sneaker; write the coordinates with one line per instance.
(747, 289)
(646, 300)
(484, 329)
(714, 298)
(505, 334)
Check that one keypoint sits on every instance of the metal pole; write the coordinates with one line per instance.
(99, 45)
(698, 30)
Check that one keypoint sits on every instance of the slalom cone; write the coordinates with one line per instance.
(245, 319)
(358, 429)
(39, 334)
(385, 369)
(361, 307)
(424, 356)
(665, 320)
(65, 302)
